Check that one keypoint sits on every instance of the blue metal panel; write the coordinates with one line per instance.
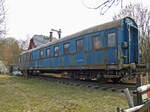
(51, 62)
(44, 52)
(112, 56)
(55, 62)
(72, 46)
(133, 41)
(66, 60)
(72, 49)
(60, 54)
(51, 51)
(88, 55)
(129, 34)
(79, 56)
(86, 46)
(66, 57)
(60, 48)
(86, 43)
(89, 42)
(100, 57)
(88, 58)
(48, 62)
(94, 56)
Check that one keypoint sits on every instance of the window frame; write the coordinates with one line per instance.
(48, 51)
(111, 42)
(77, 47)
(66, 50)
(56, 46)
(100, 42)
(41, 53)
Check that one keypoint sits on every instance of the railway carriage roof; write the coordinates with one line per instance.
(108, 25)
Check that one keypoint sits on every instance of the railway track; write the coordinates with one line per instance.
(104, 86)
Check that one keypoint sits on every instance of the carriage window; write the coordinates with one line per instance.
(30, 56)
(66, 48)
(56, 52)
(111, 40)
(97, 42)
(47, 52)
(41, 53)
(80, 45)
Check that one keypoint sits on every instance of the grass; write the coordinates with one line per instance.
(21, 95)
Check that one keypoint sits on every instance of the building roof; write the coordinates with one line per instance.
(38, 40)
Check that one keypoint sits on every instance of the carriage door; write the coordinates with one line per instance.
(111, 45)
(66, 54)
(133, 44)
(80, 53)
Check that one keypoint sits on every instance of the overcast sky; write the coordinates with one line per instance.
(29, 17)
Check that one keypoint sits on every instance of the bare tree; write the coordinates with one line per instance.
(9, 51)
(104, 5)
(24, 44)
(2, 19)
(140, 14)
(142, 17)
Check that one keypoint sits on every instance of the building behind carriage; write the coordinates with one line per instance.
(38, 40)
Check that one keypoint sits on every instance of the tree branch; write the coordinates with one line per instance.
(105, 6)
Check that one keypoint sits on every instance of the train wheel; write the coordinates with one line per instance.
(100, 77)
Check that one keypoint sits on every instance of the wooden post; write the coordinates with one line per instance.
(141, 79)
(138, 81)
(118, 109)
(128, 96)
(148, 77)
(137, 98)
(26, 74)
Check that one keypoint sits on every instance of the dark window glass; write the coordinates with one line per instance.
(80, 45)
(41, 53)
(56, 53)
(47, 52)
(97, 44)
(66, 48)
(111, 40)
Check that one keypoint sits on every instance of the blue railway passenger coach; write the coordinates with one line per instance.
(109, 50)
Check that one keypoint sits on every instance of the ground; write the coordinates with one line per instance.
(21, 95)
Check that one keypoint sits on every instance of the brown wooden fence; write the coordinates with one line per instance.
(141, 96)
